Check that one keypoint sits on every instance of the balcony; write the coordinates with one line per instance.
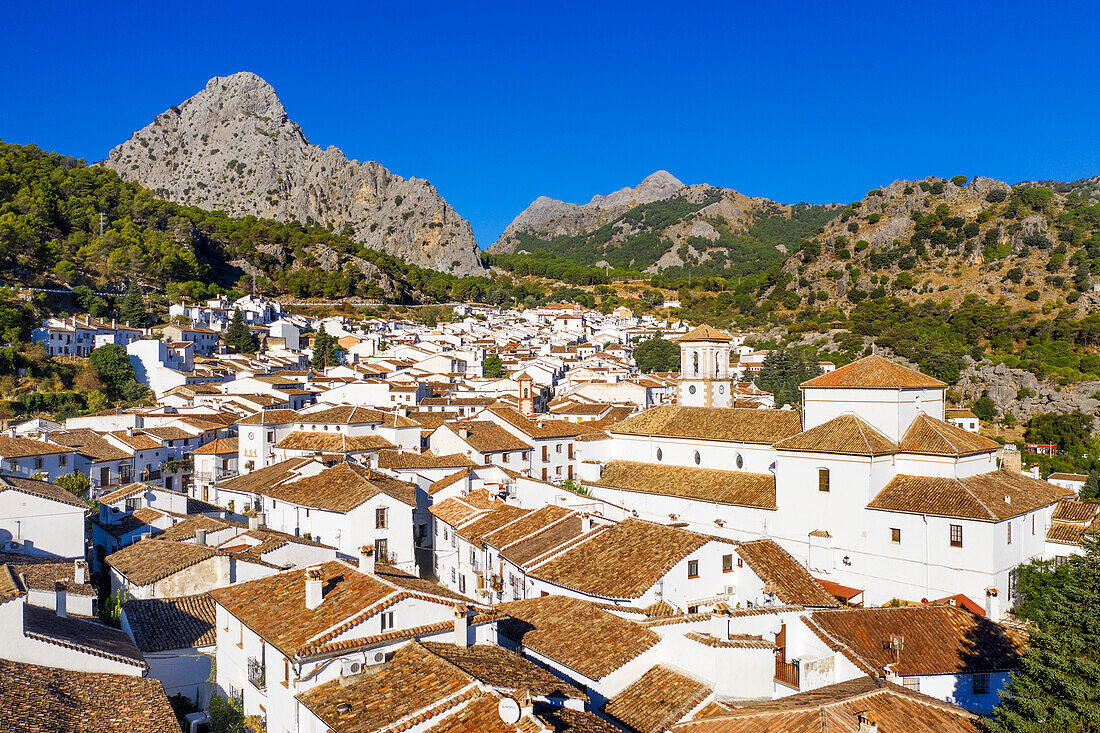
(150, 476)
(257, 674)
(178, 466)
(786, 672)
(216, 475)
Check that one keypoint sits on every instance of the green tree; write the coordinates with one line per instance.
(783, 371)
(1062, 430)
(76, 483)
(324, 349)
(985, 408)
(132, 311)
(1091, 490)
(238, 335)
(1055, 688)
(493, 366)
(113, 366)
(657, 355)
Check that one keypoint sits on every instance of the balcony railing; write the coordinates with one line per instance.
(786, 672)
(216, 475)
(150, 475)
(178, 466)
(257, 675)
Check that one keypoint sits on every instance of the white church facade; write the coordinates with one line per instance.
(867, 486)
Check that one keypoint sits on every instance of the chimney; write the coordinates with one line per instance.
(80, 572)
(526, 704)
(146, 535)
(130, 432)
(256, 521)
(367, 560)
(60, 595)
(200, 537)
(586, 522)
(313, 588)
(462, 626)
(464, 433)
(113, 323)
(992, 604)
(867, 724)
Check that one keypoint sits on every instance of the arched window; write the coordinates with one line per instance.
(740, 461)
(660, 454)
(695, 363)
(698, 458)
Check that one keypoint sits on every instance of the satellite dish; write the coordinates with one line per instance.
(508, 710)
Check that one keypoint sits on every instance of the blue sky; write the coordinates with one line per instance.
(498, 103)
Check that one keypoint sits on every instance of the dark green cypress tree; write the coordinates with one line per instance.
(1057, 686)
(132, 310)
(238, 336)
(320, 348)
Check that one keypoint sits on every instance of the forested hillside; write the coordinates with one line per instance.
(64, 223)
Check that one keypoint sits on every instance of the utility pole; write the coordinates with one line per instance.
(101, 223)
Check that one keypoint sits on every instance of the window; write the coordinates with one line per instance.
(956, 535)
(381, 548)
(64, 459)
(822, 479)
(452, 576)
(698, 458)
(911, 683)
(727, 563)
(38, 461)
(895, 535)
(693, 568)
(739, 461)
(1008, 526)
(504, 458)
(387, 620)
(979, 684)
(380, 518)
(462, 583)
(557, 448)
(660, 454)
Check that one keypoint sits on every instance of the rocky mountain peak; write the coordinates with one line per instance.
(231, 147)
(656, 186)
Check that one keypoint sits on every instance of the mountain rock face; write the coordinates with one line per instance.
(662, 223)
(551, 217)
(232, 148)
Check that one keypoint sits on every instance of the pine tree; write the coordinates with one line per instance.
(1091, 490)
(132, 310)
(238, 336)
(321, 348)
(1057, 686)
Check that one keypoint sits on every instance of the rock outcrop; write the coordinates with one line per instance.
(232, 148)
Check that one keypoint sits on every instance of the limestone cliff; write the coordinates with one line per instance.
(231, 147)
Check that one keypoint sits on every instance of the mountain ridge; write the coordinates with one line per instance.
(231, 147)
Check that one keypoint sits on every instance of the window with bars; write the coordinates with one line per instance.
(823, 479)
(895, 535)
(979, 684)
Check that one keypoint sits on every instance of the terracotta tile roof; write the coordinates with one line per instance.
(790, 582)
(623, 561)
(874, 372)
(456, 511)
(847, 435)
(437, 486)
(1067, 477)
(504, 669)
(727, 424)
(575, 633)
(1071, 510)
(929, 436)
(413, 680)
(500, 515)
(270, 417)
(184, 529)
(90, 443)
(526, 525)
(218, 446)
(542, 543)
(332, 442)
(51, 700)
(961, 414)
(401, 460)
(41, 489)
(486, 437)
(567, 720)
(835, 709)
(168, 432)
(737, 488)
(122, 492)
(703, 332)
(538, 428)
(341, 488)
(935, 639)
(656, 700)
(10, 587)
(137, 441)
(88, 637)
(265, 477)
(43, 573)
(150, 560)
(987, 497)
(479, 715)
(354, 415)
(733, 641)
(159, 624)
(25, 447)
